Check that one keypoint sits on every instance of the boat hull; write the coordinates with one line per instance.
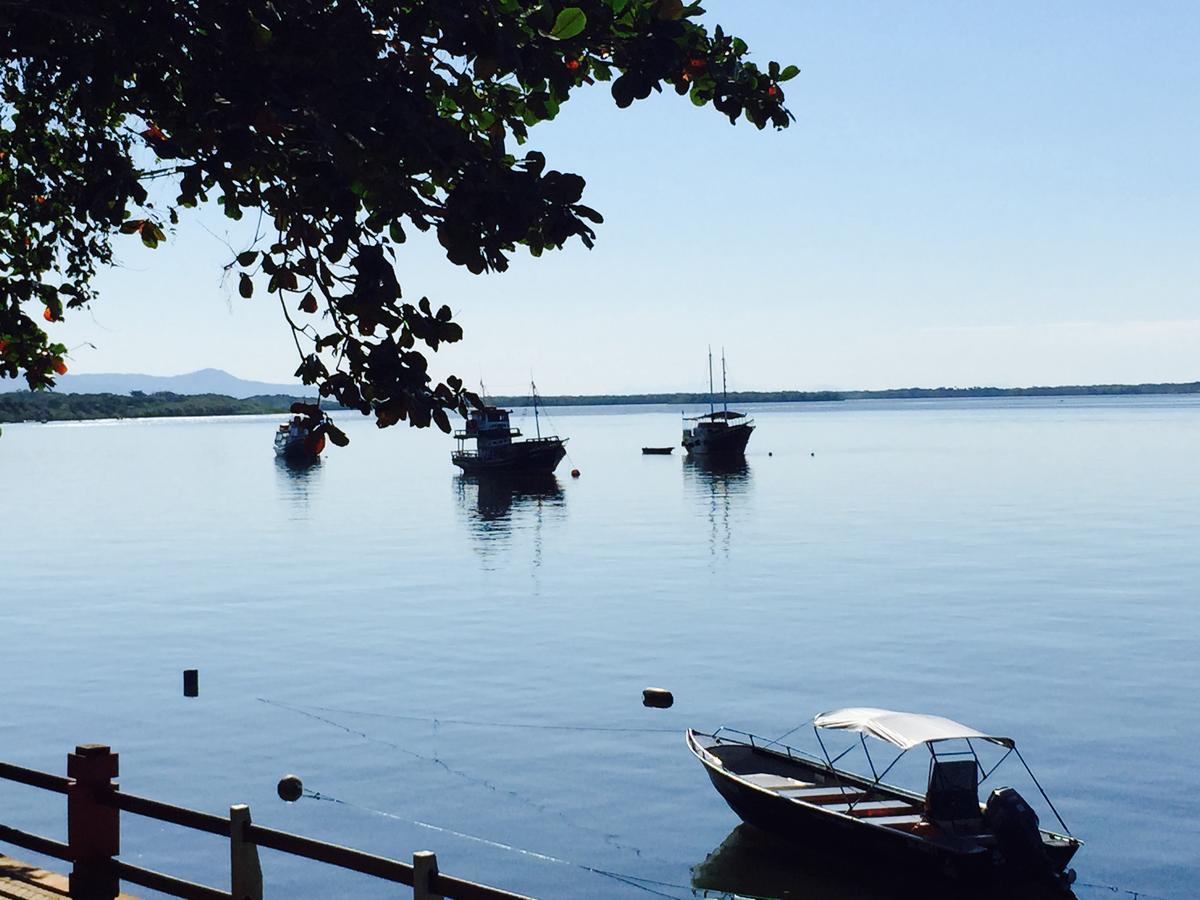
(301, 449)
(721, 442)
(532, 457)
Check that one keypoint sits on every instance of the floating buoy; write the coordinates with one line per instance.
(290, 788)
(574, 473)
(769, 453)
(814, 453)
(191, 682)
(658, 698)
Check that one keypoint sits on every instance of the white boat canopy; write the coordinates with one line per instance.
(905, 730)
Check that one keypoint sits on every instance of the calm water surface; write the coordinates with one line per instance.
(461, 666)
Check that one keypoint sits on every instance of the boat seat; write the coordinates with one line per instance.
(827, 796)
(775, 782)
(880, 810)
(912, 822)
(952, 799)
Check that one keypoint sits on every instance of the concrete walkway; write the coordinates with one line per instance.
(21, 881)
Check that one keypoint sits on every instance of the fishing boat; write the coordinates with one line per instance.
(302, 439)
(496, 451)
(658, 451)
(717, 434)
(810, 800)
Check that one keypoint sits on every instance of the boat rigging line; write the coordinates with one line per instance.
(553, 425)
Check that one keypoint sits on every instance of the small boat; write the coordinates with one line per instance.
(717, 435)
(805, 799)
(658, 451)
(496, 451)
(302, 440)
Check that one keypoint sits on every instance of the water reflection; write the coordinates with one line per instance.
(297, 479)
(717, 483)
(750, 862)
(498, 505)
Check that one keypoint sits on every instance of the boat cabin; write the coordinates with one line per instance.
(490, 428)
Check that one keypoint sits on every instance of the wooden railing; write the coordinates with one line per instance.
(94, 805)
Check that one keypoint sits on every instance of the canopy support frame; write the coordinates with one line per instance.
(1042, 791)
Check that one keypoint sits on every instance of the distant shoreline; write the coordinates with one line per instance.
(52, 406)
(914, 393)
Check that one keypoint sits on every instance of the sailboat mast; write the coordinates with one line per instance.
(724, 390)
(710, 382)
(536, 423)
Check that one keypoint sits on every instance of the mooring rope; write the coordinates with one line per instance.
(609, 838)
(437, 720)
(649, 885)
(1112, 888)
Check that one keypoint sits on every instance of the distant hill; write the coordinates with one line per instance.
(206, 381)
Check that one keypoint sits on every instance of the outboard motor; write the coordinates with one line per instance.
(1015, 825)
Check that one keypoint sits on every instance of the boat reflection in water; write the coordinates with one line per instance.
(717, 485)
(298, 480)
(752, 863)
(297, 469)
(497, 505)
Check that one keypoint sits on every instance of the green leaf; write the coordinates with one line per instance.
(245, 286)
(570, 22)
(151, 234)
(247, 258)
(670, 9)
(788, 73)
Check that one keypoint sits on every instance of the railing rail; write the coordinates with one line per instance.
(94, 804)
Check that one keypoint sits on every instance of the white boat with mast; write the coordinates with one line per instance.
(496, 451)
(717, 435)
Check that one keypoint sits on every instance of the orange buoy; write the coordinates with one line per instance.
(574, 473)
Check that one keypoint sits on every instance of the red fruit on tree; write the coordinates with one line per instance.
(59, 366)
(48, 314)
(572, 64)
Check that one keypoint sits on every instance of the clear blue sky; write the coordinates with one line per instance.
(973, 193)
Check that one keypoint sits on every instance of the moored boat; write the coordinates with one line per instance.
(717, 434)
(302, 439)
(803, 798)
(296, 442)
(496, 451)
(658, 451)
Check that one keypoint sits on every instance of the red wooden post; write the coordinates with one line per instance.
(93, 826)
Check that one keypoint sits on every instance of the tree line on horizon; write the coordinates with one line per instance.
(53, 406)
